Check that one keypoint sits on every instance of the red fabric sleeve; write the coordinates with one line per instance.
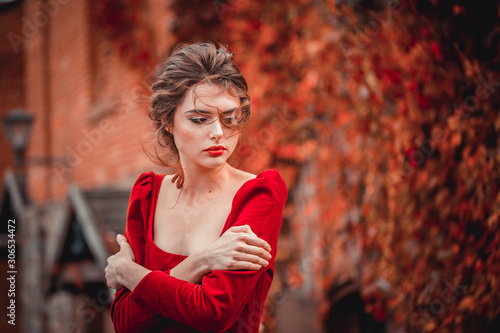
(214, 306)
(127, 315)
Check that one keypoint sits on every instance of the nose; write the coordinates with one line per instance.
(216, 130)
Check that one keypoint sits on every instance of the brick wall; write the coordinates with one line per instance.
(89, 104)
(11, 74)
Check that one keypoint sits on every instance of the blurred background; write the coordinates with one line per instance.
(381, 116)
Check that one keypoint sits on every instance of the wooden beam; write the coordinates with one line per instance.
(14, 191)
(89, 227)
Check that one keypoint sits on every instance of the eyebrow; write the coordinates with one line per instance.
(208, 112)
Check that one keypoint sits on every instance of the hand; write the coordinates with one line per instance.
(238, 248)
(123, 256)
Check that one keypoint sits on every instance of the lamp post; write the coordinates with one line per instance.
(18, 124)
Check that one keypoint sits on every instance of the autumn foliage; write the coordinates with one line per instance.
(394, 106)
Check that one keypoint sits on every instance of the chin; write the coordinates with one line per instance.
(215, 163)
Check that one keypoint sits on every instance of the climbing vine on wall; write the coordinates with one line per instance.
(124, 24)
(397, 106)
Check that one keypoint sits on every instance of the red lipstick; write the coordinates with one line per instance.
(215, 150)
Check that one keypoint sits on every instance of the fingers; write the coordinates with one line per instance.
(250, 231)
(110, 276)
(256, 252)
(256, 241)
(251, 259)
(125, 247)
(247, 266)
(121, 240)
(241, 228)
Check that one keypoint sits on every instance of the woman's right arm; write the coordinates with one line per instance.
(229, 252)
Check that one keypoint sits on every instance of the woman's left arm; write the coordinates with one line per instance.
(217, 303)
(123, 271)
(238, 248)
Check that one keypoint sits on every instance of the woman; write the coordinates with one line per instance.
(199, 246)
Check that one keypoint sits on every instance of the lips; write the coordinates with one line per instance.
(215, 148)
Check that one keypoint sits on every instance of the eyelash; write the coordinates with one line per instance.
(202, 120)
(198, 120)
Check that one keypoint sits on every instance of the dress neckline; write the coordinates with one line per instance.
(157, 180)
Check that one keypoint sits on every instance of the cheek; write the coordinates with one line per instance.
(187, 140)
(234, 140)
(186, 135)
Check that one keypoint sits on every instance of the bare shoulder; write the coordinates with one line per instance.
(168, 178)
(167, 186)
(243, 176)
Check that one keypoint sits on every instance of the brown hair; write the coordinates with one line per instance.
(188, 66)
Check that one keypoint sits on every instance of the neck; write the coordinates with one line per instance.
(204, 184)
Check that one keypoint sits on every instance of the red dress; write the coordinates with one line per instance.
(225, 301)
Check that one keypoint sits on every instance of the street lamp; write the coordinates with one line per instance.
(18, 129)
(18, 125)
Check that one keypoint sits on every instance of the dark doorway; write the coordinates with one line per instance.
(347, 314)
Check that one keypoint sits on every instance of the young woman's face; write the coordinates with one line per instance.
(197, 126)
